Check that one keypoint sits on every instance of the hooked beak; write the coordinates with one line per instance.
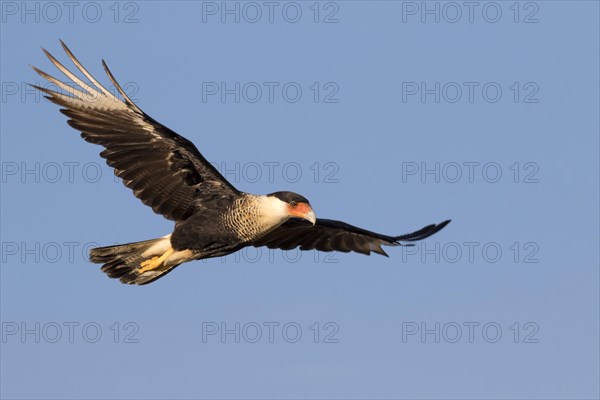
(310, 216)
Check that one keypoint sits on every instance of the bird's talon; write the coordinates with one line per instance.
(148, 264)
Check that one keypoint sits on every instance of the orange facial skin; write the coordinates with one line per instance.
(300, 210)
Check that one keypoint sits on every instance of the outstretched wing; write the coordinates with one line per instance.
(330, 235)
(164, 170)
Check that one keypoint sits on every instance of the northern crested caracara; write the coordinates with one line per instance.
(167, 172)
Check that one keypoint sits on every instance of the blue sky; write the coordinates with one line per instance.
(388, 115)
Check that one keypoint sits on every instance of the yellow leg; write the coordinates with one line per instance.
(154, 262)
(149, 261)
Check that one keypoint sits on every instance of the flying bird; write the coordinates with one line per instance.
(167, 173)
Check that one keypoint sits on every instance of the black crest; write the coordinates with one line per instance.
(288, 197)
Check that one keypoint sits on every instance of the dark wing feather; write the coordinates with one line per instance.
(330, 235)
(164, 170)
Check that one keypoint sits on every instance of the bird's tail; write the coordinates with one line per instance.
(136, 263)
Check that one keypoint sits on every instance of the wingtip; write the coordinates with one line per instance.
(48, 92)
(443, 224)
(64, 46)
(423, 232)
(48, 55)
(437, 227)
(68, 51)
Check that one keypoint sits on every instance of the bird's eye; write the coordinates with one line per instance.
(293, 204)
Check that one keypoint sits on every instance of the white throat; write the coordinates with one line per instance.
(272, 212)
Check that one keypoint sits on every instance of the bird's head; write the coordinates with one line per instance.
(296, 206)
